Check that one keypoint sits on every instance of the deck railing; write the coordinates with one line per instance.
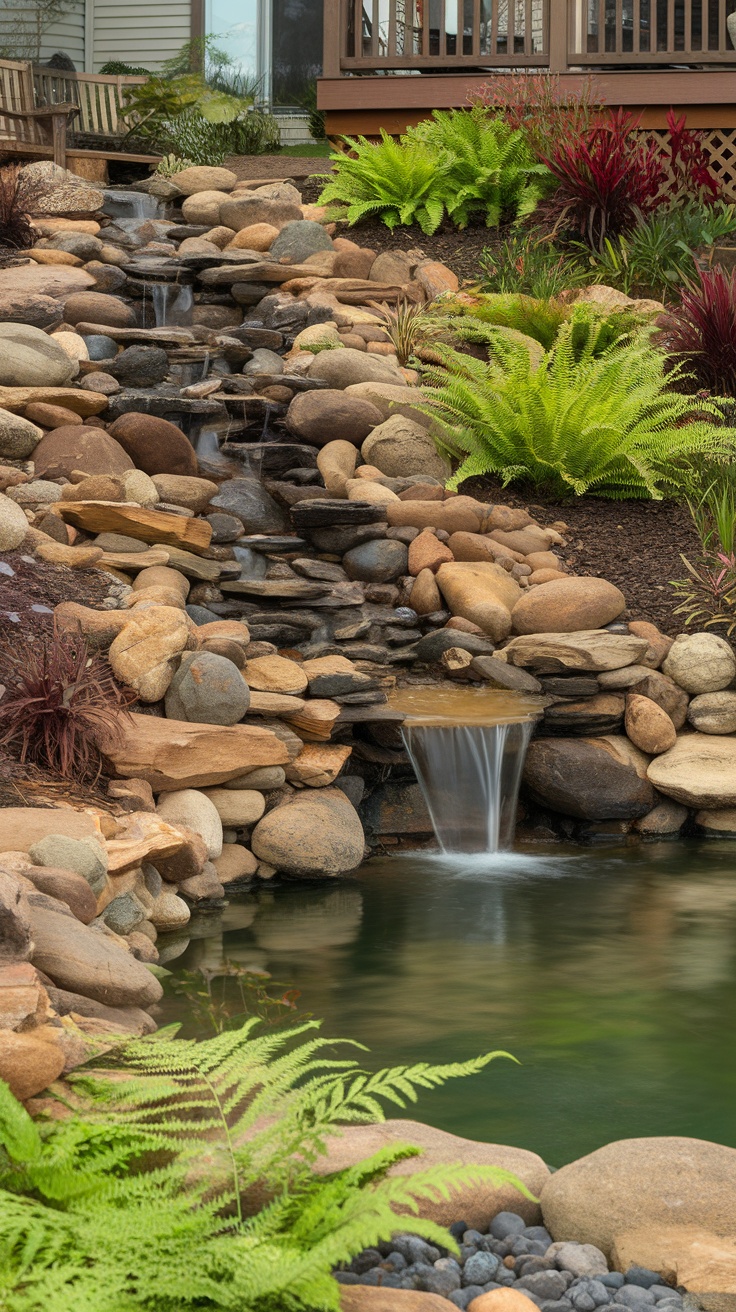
(364, 36)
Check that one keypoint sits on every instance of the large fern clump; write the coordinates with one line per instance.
(187, 1180)
(401, 184)
(606, 424)
(465, 163)
(494, 173)
(473, 318)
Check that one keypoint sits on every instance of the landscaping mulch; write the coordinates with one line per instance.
(35, 587)
(634, 544)
(278, 166)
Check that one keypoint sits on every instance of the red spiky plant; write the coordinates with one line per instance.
(700, 332)
(607, 178)
(61, 701)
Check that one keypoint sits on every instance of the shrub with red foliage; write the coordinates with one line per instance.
(700, 333)
(60, 701)
(688, 163)
(611, 175)
(548, 113)
(606, 180)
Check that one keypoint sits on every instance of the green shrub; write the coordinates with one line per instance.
(186, 1184)
(605, 425)
(660, 253)
(463, 163)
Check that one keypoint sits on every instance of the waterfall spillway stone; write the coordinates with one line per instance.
(468, 758)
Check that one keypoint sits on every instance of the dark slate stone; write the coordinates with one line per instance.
(327, 513)
(248, 501)
(498, 674)
(432, 645)
(140, 366)
(100, 347)
(376, 562)
(201, 615)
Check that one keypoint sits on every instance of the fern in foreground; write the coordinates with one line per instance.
(190, 1179)
(580, 423)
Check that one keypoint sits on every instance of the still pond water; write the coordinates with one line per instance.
(609, 973)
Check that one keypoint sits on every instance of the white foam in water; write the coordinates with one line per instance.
(172, 304)
(469, 775)
(207, 444)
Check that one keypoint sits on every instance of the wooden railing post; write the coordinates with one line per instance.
(559, 36)
(332, 41)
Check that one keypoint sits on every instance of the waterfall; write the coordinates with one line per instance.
(469, 775)
(172, 304)
(130, 204)
(467, 746)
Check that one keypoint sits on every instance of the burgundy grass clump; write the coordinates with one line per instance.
(700, 333)
(607, 179)
(61, 702)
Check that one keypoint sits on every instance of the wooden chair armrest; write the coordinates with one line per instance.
(47, 111)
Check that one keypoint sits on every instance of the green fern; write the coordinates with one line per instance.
(604, 424)
(461, 162)
(493, 169)
(401, 184)
(474, 318)
(190, 1178)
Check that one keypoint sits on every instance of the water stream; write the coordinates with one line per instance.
(172, 304)
(121, 204)
(467, 747)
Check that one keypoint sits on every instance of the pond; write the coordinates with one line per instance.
(609, 973)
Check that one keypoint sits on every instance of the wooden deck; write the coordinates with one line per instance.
(388, 63)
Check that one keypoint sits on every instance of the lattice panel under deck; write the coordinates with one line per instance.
(721, 146)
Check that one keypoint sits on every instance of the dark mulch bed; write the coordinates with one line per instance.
(278, 166)
(36, 587)
(634, 544)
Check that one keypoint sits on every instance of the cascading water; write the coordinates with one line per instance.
(120, 204)
(467, 748)
(172, 304)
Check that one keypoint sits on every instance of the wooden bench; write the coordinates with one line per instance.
(40, 108)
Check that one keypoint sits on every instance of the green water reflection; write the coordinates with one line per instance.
(610, 974)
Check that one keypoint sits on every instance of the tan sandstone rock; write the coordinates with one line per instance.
(483, 593)
(648, 726)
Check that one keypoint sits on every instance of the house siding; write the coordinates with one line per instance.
(67, 35)
(138, 33)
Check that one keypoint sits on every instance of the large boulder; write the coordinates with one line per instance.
(642, 1181)
(342, 368)
(207, 689)
(685, 1255)
(391, 399)
(13, 524)
(31, 358)
(400, 447)
(590, 778)
(559, 653)
(483, 593)
(192, 808)
(379, 561)
(172, 755)
(84, 960)
(23, 826)
(699, 771)
(248, 500)
(155, 445)
(96, 307)
(331, 416)
(79, 447)
(319, 834)
(205, 177)
(300, 239)
(713, 712)
(204, 207)
(245, 211)
(700, 662)
(476, 1202)
(567, 606)
(143, 653)
(30, 1062)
